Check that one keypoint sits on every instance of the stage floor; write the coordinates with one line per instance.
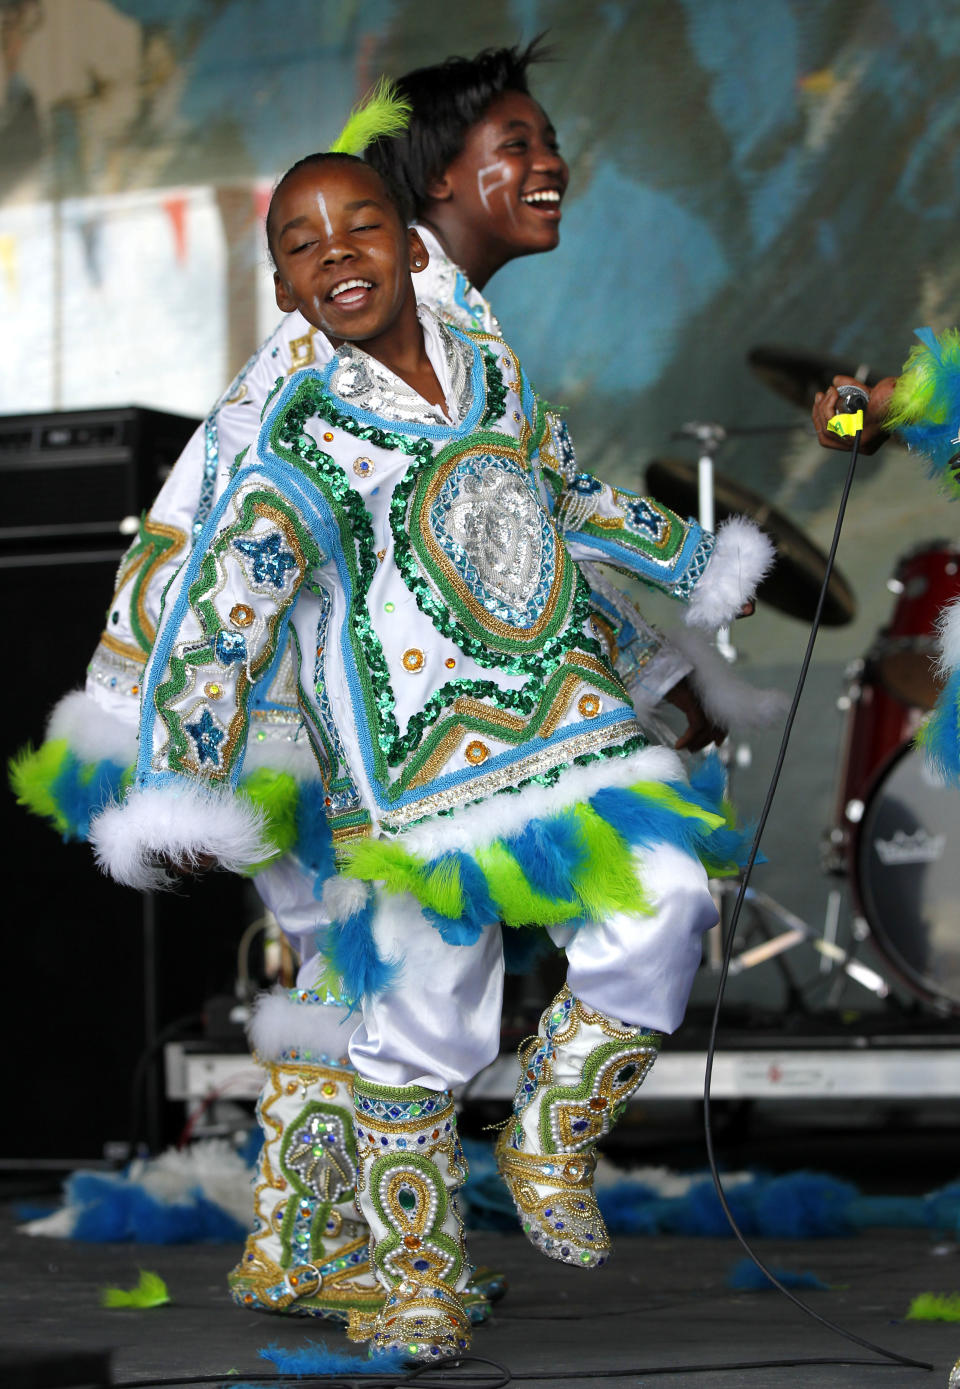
(660, 1312)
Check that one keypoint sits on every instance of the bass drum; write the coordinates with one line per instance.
(906, 871)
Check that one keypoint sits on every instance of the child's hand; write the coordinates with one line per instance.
(700, 729)
(186, 867)
(825, 405)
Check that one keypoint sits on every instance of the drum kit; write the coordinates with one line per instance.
(894, 821)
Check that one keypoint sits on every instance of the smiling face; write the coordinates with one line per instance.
(509, 179)
(343, 256)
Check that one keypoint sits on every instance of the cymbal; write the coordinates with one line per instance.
(794, 585)
(798, 375)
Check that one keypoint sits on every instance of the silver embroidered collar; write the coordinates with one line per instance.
(368, 385)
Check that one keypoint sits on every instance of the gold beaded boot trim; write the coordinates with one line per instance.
(409, 1169)
(306, 1255)
(576, 1076)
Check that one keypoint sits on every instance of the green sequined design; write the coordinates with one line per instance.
(392, 749)
(318, 1158)
(201, 597)
(154, 545)
(411, 1198)
(573, 1117)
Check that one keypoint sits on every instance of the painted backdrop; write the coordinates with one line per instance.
(744, 172)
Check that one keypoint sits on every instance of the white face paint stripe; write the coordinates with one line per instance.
(488, 182)
(322, 209)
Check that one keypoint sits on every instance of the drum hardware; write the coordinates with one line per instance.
(793, 586)
(895, 825)
(797, 932)
(764, 908)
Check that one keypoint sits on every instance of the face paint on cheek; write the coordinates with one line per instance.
(489, 179)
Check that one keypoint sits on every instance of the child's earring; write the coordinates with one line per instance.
(418, 265)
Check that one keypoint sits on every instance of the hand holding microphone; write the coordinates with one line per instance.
(848, 420)
(835, 413)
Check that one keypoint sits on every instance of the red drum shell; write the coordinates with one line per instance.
(904, 654)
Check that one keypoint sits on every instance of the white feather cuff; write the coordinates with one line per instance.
(182, 823)
(279, 1024)
(728, 700)
(93, 733)
(743, 555)
(948, 631)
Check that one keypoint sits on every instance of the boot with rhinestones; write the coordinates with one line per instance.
(307, 1253)
(410, 1166)
(576, 1076)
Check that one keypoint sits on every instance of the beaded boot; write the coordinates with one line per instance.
(307, 1253)
(576, 1076)
(410, 1166)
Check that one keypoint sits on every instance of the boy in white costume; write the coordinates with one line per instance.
(98, 727)
(404, 526)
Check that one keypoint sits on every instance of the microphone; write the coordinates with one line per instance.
(849, 417)
(852, 399)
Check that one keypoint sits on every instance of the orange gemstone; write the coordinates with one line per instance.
(598, 1102)
(412, 1241)
(449, 663)
(328, 436)
(435, 1134)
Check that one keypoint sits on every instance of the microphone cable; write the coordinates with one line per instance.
(847, 394)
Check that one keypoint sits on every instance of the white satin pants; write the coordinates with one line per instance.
(439, 1024)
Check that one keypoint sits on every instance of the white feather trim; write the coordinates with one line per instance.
(728, 700)
(212, 1166)
(57, 1225)
(743, 555)
(476, 826)
(280, 1022)
(93, 733)
(182, 823)
(342, 897)
(948, 638)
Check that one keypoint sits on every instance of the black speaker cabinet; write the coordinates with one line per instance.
(93, 972)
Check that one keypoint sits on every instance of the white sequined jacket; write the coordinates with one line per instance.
(422, 571)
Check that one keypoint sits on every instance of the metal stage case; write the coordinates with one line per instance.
(921, 1065)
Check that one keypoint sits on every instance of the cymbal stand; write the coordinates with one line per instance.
(710, 436)
(765, 910)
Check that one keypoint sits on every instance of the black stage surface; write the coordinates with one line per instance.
(659, 1313)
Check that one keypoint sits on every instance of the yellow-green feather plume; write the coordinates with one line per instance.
(382, 113)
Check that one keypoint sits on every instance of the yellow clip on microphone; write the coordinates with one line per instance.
(849, 417)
